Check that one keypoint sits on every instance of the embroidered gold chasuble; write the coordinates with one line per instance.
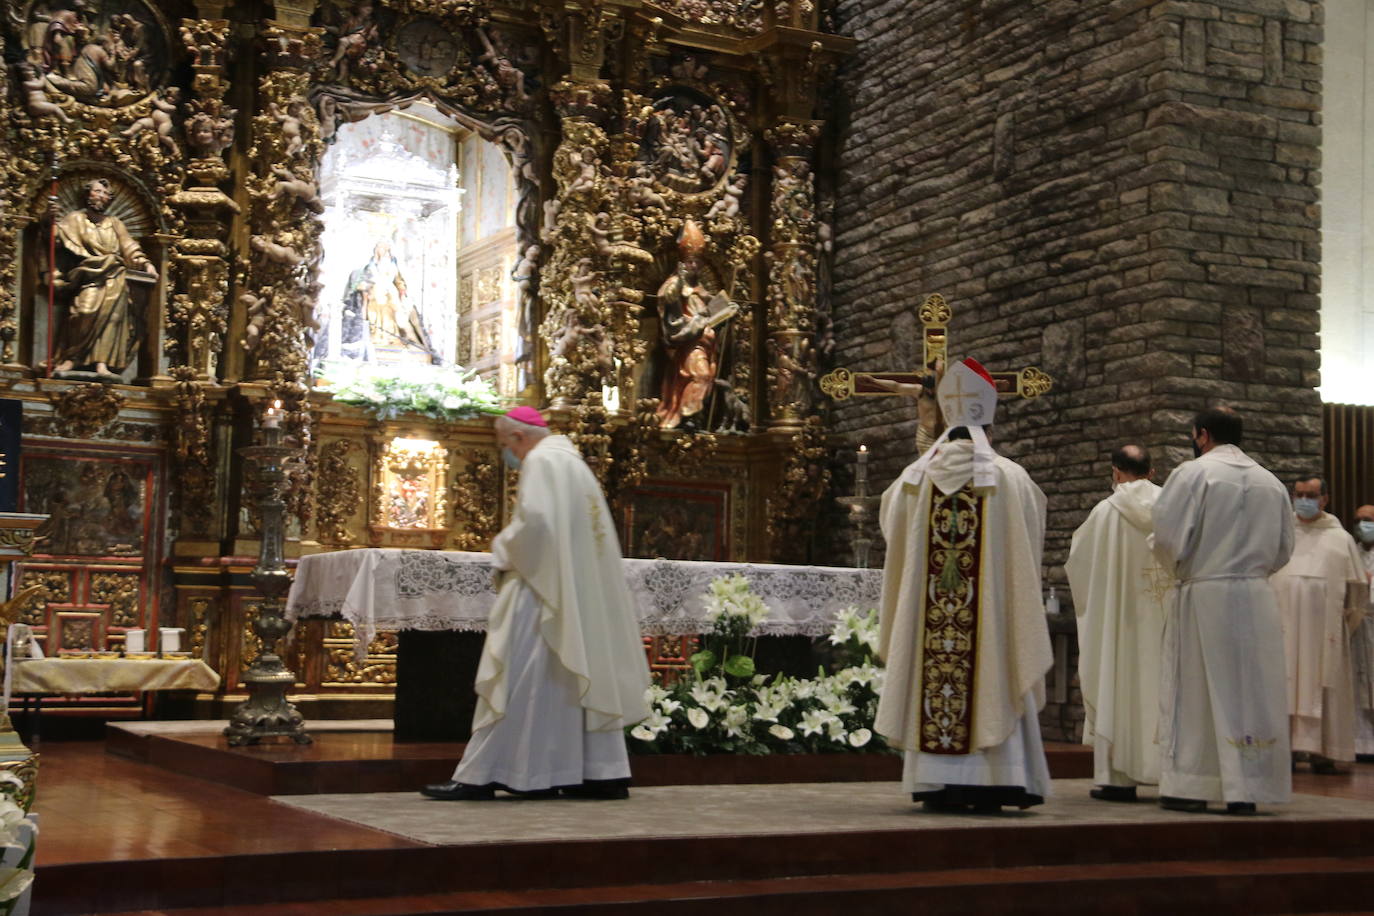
(963, 629)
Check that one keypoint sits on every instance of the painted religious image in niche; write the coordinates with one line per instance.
(427, 48)
(685, 142)
(107, 53)
(389, 275)
(100, 278)
(676, 525)
(98, 508)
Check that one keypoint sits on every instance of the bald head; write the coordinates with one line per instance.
(1131, 462)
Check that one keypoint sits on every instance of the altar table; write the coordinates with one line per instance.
(439, 602)
(392, 589)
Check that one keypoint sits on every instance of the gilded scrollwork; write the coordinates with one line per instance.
(476, 497)
(804, 482)
(338, 493)
(121, 592)
(83, 411)
(199, 611)
(196, 485)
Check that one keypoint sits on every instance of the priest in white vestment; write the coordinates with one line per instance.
(963, 629)
(1322, 596)
(1118, 595)
(1223, 526)
(1362, 643)
(563, 670)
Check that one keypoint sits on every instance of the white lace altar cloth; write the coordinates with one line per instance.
(390, 589)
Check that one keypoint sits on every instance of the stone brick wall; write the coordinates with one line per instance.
(1122, 193)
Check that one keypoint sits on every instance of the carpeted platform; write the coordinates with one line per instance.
(753, 810)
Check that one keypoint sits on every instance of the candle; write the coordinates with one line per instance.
(272, 418)
(863, 461)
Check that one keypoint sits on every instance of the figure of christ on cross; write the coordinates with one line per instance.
(934, 315)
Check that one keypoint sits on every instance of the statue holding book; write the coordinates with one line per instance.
(97, 262)
(693, 322)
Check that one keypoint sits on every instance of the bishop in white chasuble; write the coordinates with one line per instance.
(1223, 525)
(1118, 596)
(563, 670)
(1322, 597)
(963, 631)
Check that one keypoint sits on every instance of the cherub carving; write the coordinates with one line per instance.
(601, 233)
(290, 125)
(641, 191)
(508, 76)
(159, 119)
(728, 206)
(582, 279)
(256, 308)
(574, 331)
(270, 250)
(552, 206)
(36, 101)
(289, 185)
(357, 32)
(524, 273)
(586, 175)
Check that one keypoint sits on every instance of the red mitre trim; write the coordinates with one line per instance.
(978, 368)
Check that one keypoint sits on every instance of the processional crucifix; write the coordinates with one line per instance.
(843, 384)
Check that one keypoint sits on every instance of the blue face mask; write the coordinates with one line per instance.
(510, 458)
(1365, 531)
(1306, 507)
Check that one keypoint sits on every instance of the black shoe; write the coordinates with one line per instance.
(1241, 809)
(534, 794)
(1325, 766)
(1189, 805)
(599, 789)
(1114, 793)
(939, 805)
(458, 791)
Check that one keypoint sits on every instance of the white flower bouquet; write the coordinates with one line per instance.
(443, 392)
(713, 710)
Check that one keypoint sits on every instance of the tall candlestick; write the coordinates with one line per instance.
(272, 418)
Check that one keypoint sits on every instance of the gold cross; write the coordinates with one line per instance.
(934, 313)
(1158, 581)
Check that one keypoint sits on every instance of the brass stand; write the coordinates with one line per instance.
(267, 713)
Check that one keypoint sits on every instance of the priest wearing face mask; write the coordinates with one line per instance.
(1362, 643)
(1222, 526)
(1322, 596)
(1118, 595)
(563, 671)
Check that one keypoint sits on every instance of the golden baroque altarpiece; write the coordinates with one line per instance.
(160, 252)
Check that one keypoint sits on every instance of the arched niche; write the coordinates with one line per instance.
(135, 207)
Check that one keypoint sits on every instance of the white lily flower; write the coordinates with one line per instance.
(813, 721)
(736, 718)
(698, 718)
(642, 733)
(859, 737)
(782, 732)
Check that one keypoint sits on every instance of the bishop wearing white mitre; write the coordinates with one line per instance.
(1322, 596)
(1118, 595)
(963, 629)
(563, 671)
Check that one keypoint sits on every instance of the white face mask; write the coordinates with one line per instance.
(1306, 507)
(1364, 530)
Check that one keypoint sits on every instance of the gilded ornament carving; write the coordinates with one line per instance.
(199, 611)
(409, 492)
(196, 486)
(121, 592)
(338, 493)
(83, 411)
(476, 495)
(378, 668)
(57, 586)
(804, 482)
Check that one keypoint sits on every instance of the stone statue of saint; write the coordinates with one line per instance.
(96, 258)
(691, 319)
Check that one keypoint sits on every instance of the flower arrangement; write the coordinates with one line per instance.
(444, 392)
(723, 707)
(18, 835)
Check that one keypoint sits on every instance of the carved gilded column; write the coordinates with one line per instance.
(791, 260)
(284, 246)
(580, 296)
(199, 313)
